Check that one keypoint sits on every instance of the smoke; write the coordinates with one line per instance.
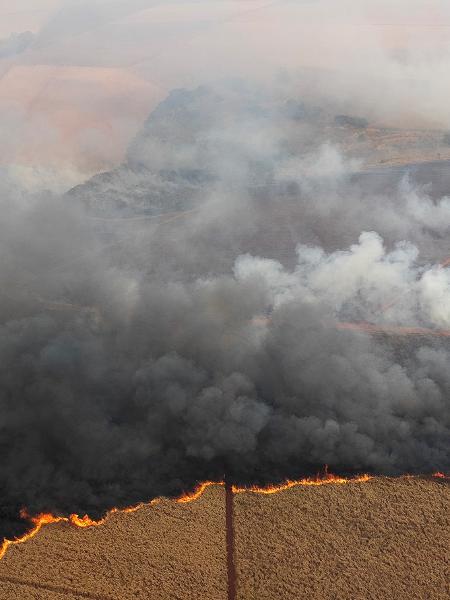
(175, 320)
(15, 44)
(93, 70)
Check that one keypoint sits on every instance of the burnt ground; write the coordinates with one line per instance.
(383, 539)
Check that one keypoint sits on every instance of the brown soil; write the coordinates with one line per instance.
(382, 539)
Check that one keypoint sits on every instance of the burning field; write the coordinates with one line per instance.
(207, 310)
(257, 287)
(375, 538)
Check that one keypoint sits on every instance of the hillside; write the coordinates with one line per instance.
(260, 175)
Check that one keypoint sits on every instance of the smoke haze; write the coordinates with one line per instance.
(73, 95)
(175, 318)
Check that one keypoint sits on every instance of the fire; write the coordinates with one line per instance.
(75, 520)
(326, 479)
(85, 521)
(39, 522)
(198, 491)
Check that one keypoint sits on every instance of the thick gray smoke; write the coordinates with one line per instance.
(175, 320)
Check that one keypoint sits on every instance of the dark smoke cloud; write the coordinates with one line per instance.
(142, 353)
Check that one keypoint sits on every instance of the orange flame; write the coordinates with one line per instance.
(43, 519)
(197, 492)
(85, 521)
(325, 479)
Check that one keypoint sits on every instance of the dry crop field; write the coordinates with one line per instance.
(381, 539)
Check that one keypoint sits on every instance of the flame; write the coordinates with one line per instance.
(325, 479)
(198, 491)
(85, 521)
(39, 522)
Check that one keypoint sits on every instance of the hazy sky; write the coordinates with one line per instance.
(79, 91)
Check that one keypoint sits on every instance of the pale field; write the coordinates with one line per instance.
(383, 539)
(169, 550)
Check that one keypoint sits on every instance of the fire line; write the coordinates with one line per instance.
(39, 521)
